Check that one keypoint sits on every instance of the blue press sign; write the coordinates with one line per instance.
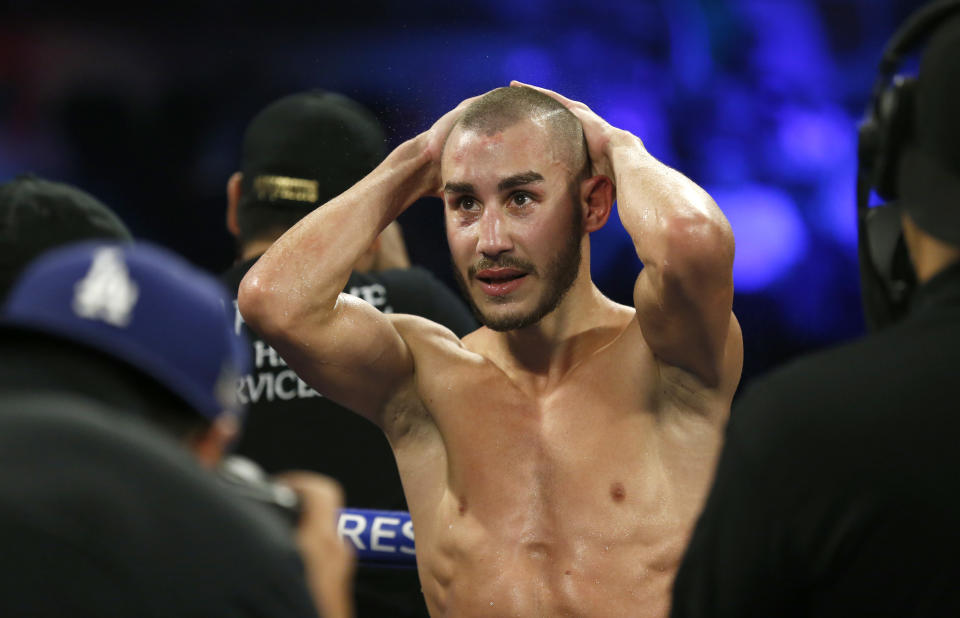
(383, 538)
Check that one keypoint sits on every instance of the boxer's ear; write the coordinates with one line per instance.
(233, 199)
(597, 195)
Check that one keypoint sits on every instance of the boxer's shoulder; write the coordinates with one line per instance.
(440, 358)
(428, 341)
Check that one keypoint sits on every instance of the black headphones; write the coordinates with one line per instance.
(886, 274)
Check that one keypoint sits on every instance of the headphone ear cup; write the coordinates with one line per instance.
(894, 128)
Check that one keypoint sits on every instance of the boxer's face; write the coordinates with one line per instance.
(513, 222)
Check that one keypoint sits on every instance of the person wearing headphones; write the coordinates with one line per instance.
(835, 493)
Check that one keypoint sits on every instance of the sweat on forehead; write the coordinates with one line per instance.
(504, 107)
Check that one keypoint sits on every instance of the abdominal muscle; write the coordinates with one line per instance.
(581, 531)
(469, 569)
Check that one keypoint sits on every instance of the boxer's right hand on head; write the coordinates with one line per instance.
(435, 138)
(330, 562)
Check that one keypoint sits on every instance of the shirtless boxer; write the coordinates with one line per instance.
(555, 459)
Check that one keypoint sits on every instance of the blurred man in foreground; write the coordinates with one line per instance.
(137, 332)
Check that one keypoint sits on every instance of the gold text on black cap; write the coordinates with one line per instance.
(271, 188)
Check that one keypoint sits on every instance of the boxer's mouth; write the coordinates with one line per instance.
(499, 275)
(500, 281)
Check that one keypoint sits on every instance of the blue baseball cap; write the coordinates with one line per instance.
(144, 306)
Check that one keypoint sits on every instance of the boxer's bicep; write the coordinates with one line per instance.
(684, 306)
(353, 355)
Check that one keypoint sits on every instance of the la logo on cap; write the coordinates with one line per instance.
(106, 292)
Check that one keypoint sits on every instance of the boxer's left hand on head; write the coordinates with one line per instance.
(598, 132)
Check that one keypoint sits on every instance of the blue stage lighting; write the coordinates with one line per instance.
(770, 234)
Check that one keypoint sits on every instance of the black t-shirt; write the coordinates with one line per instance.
(290, 426)
(101, 516)
(837, 489)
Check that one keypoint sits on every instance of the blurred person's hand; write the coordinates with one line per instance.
(392, 252)
(330, 562)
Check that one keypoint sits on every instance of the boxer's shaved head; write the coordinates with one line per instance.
(504, 107)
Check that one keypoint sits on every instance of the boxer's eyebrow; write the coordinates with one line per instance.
(518, 180)
(510, 182)
(458, 187)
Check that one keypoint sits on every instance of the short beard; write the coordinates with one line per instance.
(559, 274)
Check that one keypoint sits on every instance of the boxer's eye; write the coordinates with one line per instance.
(468, 204)
(520, 199)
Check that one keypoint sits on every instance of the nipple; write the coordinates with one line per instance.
(618, 492)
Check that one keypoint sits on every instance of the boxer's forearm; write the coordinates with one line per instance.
(305, 270)
(671, 220)
(684, 294)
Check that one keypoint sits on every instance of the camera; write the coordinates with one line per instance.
(247, 480)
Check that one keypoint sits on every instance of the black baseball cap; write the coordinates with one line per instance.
(306, 148)
(38, 214)
(929, 175)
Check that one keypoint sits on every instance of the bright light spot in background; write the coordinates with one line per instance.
(769, 233)
(530, 65)
(814, 142)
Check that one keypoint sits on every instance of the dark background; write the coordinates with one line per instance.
(144, 106)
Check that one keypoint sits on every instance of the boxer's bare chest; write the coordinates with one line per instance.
(553, 500)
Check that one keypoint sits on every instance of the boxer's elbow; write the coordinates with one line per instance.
(260, 304)
(699, 246)
(282, 311)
